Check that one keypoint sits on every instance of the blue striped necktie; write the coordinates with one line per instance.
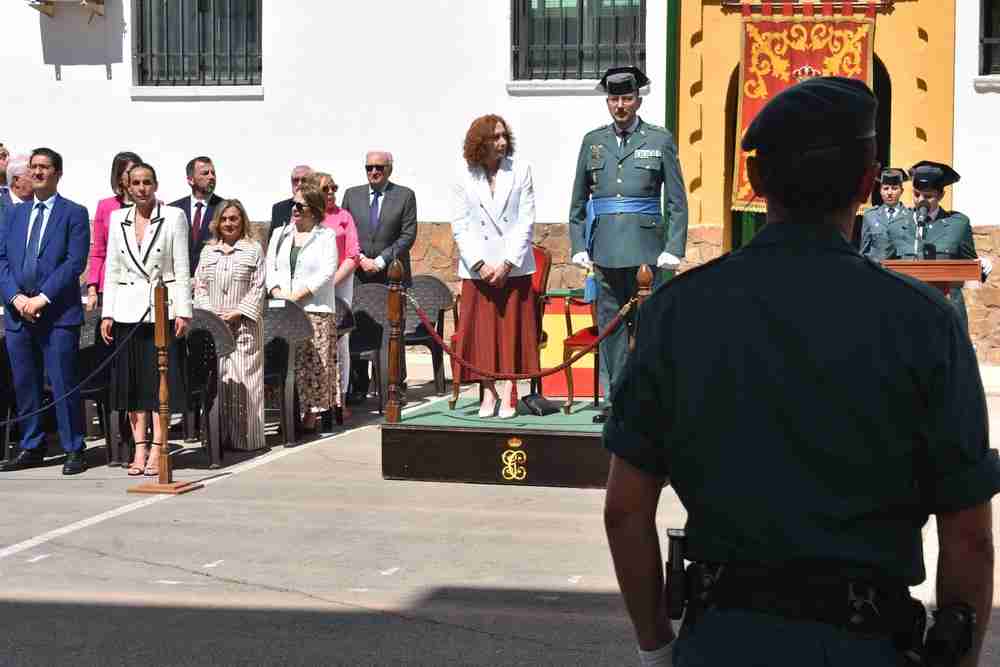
(373, 213)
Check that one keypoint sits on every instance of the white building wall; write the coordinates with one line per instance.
(332, 90)
(977, 122)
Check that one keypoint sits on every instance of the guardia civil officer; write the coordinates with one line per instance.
(615, 216)
(810, 449)
(875, 222)
(932, 232)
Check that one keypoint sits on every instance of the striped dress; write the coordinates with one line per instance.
(230, 280)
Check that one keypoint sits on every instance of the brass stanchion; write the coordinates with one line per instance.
(395, 312)
(165, 484)
(644, 276)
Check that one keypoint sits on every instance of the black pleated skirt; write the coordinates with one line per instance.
(135, 378)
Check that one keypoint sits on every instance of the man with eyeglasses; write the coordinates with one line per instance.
(386, 217)
(281, 212)
(6, 201)
(19, 187)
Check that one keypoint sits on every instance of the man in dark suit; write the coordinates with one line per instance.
(281, 212)
(42, 255)
(5, 198)
(200, 206)
(386, 217)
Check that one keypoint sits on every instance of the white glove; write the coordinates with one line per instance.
(987, 267)
(661, 657)
(582, 259)
(666, 260)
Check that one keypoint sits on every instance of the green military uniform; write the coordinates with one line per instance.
(808, 434)
(644, 167)
(744, 389)
(875, 229)
(949, 232)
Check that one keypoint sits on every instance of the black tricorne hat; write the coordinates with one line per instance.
(929, 175)
(822, 112)
(622, 80)
(893, 176)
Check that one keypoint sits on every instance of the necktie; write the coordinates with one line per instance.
(29, 268)
(624, 140)
(5, 196)
(373, 213)
(196, 225)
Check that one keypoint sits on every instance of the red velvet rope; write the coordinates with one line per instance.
(432, 330)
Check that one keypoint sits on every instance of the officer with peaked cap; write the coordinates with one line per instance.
(616, 218)
(932, 232)
(875, 222)
(808, 433)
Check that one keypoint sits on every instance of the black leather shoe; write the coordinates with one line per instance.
(75, 463)
(357, 397)
(26, 458)
(602, 416)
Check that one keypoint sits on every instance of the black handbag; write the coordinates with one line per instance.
(536, 404)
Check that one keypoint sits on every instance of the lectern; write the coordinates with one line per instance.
(941, 273)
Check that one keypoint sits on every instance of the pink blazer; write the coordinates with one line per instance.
(99, 241)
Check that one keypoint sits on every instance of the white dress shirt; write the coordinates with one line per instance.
(46, 214)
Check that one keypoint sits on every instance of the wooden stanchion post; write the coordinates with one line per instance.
(165, 484)
(395, 311)
(644, 276)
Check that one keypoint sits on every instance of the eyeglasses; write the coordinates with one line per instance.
(375, 167)
(299, 206)
(329, 188)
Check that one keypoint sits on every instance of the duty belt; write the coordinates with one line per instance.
(854, 604)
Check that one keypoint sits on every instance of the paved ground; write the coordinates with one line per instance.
(305, 556)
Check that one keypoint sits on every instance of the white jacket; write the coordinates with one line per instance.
(131, 269)
(497, 227)
(314, 267)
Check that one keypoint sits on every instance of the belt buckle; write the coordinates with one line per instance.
(862, 605)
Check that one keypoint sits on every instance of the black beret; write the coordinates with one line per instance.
(929, 175)
(622, 80)
(893, 176)
(822, 112)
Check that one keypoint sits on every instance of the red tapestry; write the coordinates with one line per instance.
(778, 52)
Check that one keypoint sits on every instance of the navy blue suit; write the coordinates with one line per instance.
(197, 241)
(51, 345)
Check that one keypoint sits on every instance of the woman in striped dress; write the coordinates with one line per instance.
(230, 283)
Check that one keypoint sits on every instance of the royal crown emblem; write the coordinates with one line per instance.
(806, 72)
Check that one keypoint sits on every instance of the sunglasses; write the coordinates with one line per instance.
(299, 206)
(375, 167)
(329, 188)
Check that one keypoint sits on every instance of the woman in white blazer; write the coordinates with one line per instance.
(146, 241)
(301, 262)
(492, 222)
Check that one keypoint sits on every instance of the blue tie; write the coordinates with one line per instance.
(30, 265)
(373, 212)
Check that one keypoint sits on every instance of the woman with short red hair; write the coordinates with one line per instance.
(492, 221)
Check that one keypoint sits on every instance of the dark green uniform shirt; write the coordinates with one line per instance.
(798, 422)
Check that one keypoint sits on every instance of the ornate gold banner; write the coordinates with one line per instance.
(780, 51)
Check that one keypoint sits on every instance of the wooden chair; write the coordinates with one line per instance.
(539, 285)
(576, 341)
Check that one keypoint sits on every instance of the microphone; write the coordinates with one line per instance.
(920, 213)
(919, 217)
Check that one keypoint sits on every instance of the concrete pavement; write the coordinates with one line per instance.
(305, 556)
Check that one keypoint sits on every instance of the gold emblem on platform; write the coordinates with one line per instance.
(512, 461)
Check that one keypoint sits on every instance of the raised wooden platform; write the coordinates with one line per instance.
(441, 445)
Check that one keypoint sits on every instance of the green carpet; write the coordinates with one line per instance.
(465, 415)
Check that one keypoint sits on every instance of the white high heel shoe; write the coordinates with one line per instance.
(491, 402)
(508, 406)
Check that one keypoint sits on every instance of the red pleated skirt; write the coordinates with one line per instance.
(498, 327)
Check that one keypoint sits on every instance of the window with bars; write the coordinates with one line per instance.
(989, 37)
(196, 42)
(576, 39)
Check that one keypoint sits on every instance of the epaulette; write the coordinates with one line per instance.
(602, 128)
(656, 128)
(932, 294)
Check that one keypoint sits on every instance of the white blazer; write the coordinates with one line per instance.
(131, 269)
(494, 227)
(314, 267)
